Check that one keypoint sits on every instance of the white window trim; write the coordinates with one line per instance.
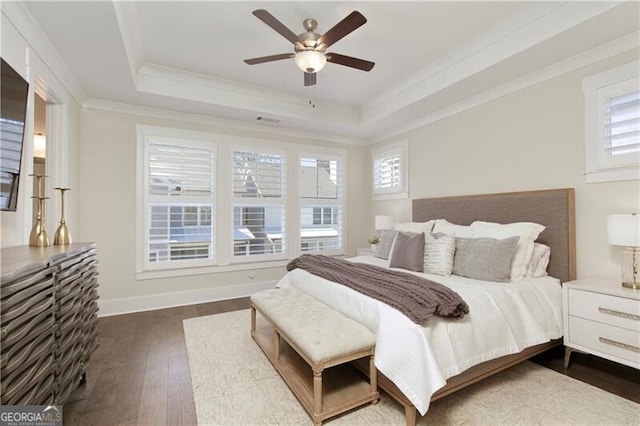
(595, 169)
(402, 191)
(143, 197)
(225, 144)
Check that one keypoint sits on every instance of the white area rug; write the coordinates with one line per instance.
(235, 384)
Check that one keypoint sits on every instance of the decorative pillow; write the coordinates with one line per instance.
(385, 244)
(486, 259)
(445, 227)
(416, 227)
(539, 261)
(408, 252)
(438, 253)
(526, 231)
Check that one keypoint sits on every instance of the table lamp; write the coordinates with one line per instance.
(624, 230)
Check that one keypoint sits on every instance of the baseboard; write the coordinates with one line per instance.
(129, 305)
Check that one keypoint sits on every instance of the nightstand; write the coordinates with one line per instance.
(367, 252)
(602, 318)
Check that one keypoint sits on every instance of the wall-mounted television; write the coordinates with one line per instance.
(14, 92)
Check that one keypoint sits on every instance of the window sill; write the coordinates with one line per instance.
(204, 270)
(613, 175)
(391, 196)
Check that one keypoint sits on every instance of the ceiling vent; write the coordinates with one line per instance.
(267, 120)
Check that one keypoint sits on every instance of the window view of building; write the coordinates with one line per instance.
(321, 199)
(259, 203)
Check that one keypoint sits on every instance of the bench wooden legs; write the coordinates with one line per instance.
(373, 378)
(317, 397)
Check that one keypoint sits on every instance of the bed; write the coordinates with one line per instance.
(419, 364)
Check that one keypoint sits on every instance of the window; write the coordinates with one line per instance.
(389, 171)
(210, 203)
(179, 198)
(612, 124)
(259, 200)
(321, 204)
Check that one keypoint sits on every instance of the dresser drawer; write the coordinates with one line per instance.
(606, 339)
(613, 310)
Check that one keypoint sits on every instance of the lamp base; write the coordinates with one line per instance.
(634, 286)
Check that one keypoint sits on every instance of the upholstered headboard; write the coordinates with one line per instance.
(553, 208)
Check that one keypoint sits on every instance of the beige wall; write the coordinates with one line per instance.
(108, 210)
(531, 139)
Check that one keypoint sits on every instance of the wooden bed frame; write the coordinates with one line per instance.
(552, 208)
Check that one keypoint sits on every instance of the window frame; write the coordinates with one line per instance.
(400, 149)
(340, 157)
(222, 210)
(147, 135)
(255, 202)
(599, 167)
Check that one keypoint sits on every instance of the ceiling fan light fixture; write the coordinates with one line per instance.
(310, 60)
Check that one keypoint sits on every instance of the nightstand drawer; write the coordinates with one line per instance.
(613, 310)
(610, 340)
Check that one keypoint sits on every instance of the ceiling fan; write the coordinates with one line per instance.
(310, 47)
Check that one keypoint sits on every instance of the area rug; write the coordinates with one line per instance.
(235, 384)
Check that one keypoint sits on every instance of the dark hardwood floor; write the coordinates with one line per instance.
(140, 373)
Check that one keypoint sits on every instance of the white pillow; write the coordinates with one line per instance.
(528, 233)
(416, 227)
(445, 227)
(539, 261)
(438, 254)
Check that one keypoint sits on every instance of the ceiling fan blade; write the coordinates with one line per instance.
(278, 26)
(350, 61)
(271, 58)
(309, 78)
(342, 28)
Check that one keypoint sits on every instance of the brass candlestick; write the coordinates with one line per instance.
(38, 236)
(62, 236)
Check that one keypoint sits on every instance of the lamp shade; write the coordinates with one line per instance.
(310, 61)
(383, 222)
(624, 230)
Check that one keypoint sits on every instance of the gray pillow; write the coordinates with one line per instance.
(408, 252)
(384, 246)
(486, 259)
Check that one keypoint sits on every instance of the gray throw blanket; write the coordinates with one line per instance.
(417, 298)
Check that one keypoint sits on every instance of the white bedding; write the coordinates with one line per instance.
(504, 318)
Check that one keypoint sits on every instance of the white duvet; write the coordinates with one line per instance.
(504, 318)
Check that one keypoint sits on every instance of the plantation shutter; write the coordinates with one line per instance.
(259, 193)
(386, 171)
(181, 187)
(622, 124)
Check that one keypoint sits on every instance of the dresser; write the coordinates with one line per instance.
(602, 318)
(48, 321)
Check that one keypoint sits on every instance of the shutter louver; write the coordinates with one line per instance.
(386, 172)
(622, 124)
(181, 182)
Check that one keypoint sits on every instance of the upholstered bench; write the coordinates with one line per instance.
(323, 338)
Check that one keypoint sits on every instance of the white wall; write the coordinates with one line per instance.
(63, 147)
(531, 139)
(108, 211)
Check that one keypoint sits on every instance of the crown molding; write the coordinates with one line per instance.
(127, 17)
(216, 91)
(531, 26)
(221, 123)
(17, 13)
(597, 54)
